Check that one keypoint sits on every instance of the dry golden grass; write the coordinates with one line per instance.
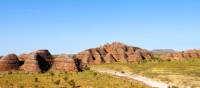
(86, 79)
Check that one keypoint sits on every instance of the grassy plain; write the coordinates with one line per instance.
(185, 73)
(86, 79)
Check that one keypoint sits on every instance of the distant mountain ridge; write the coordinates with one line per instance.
(163, 51)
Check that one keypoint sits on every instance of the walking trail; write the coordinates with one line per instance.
(145, 80)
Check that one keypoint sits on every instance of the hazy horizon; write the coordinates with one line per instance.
(70, 26)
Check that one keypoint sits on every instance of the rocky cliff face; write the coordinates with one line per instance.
(115, 52)
(184, 55)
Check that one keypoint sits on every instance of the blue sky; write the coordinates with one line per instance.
(69, 26)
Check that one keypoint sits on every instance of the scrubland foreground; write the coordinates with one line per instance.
(183, 74)
(86, 79)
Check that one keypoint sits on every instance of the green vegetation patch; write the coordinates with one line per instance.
(86, 79)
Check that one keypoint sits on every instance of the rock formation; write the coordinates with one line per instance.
(37, 61)
(23, 57)
(42, 61)
(115, 52)
(64, 63)
(9, 63)
(189, 54)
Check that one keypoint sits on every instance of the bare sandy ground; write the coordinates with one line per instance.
(145, 80)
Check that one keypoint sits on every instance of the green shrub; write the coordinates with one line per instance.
(57, 82)
(36, 80)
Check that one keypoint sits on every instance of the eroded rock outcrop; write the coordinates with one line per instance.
(64, 63)
(184, 55)
(42, 61)
(23, 57)
(115, 52)
(37, 61)
(9, 62)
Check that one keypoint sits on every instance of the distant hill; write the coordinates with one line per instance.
(163, 51)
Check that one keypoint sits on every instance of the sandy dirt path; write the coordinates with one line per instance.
(145, 80)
